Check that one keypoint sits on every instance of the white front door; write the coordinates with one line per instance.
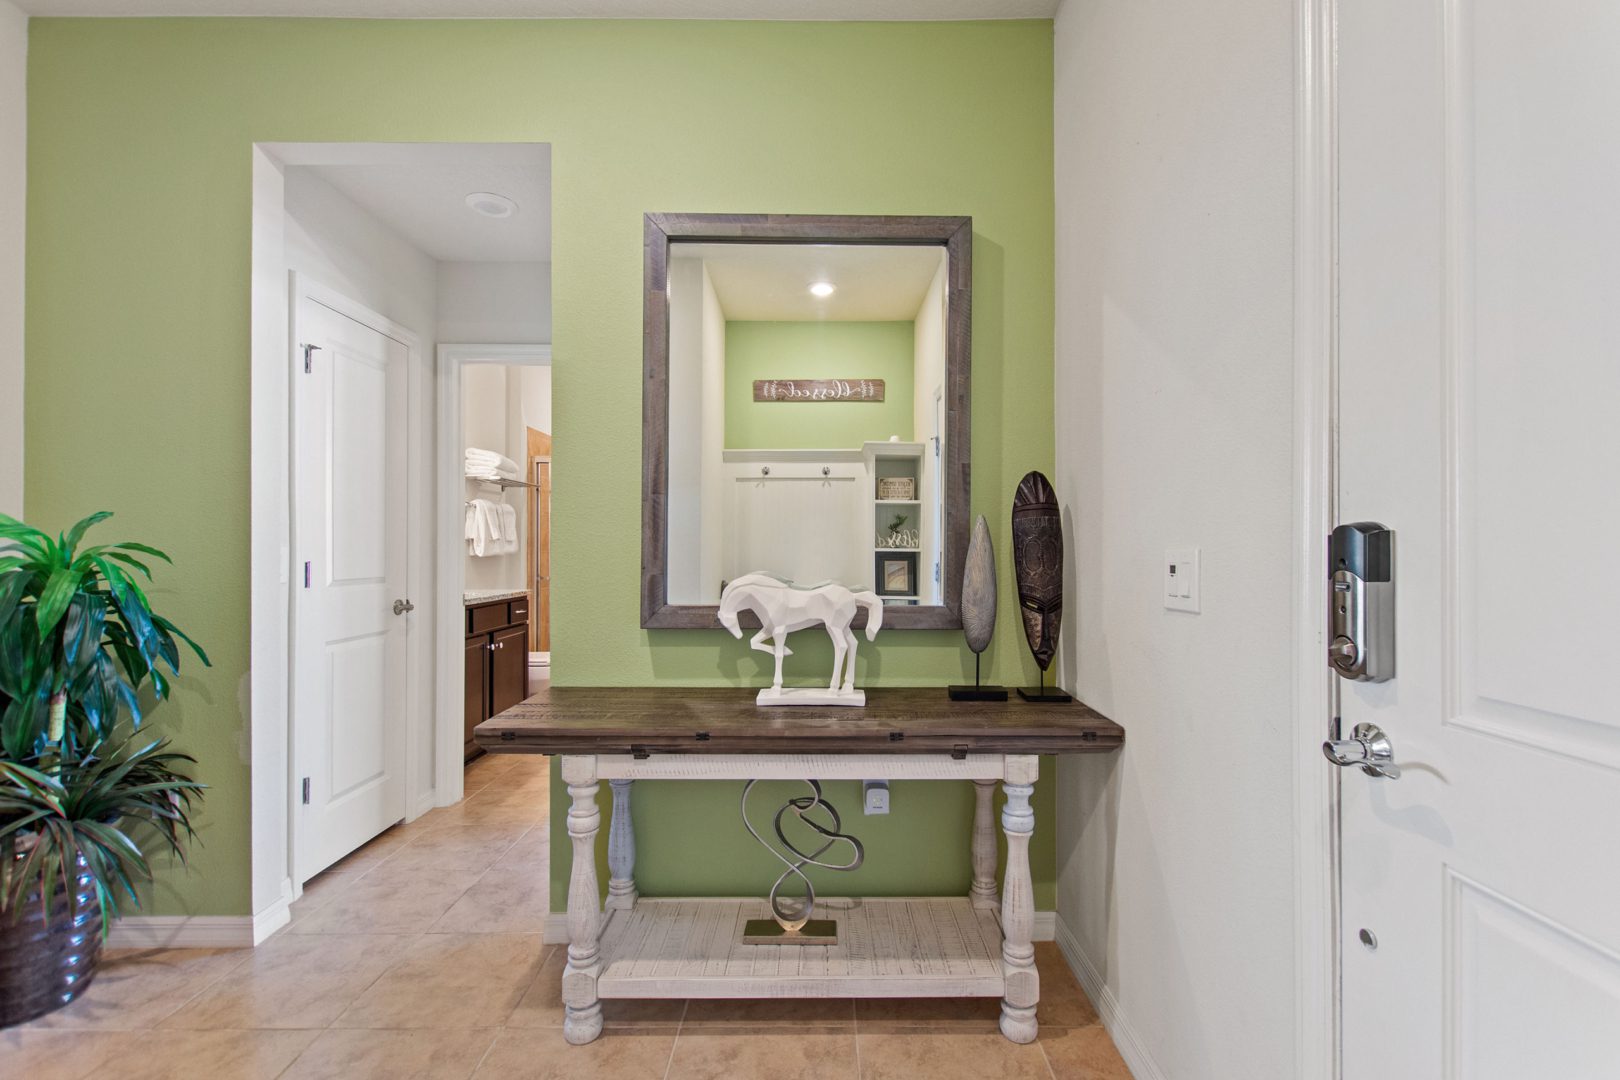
(1479, 352)
(349, 507)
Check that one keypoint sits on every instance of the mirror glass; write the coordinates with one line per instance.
(807, 416)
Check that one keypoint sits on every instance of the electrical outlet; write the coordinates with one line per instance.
(1181, 579)
(875, 796)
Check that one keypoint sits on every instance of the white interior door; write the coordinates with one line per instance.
(1479, 222)
(349, 509)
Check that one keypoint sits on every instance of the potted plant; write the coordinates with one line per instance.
(85, 796)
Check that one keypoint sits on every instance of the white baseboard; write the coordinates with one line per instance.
(198, 931)
(181, 932)
(1127, 1040)
(556, 928)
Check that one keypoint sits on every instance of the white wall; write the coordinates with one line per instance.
(488, 407)
(494, 303)
(342, 246)
(687, 423)
(13, 187)
(713, 483)
(534, 393)
(928, 376)
(1174, 149)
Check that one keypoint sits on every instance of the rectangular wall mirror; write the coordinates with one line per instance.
(806, 410)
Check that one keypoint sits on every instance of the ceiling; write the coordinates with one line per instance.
(772, 281)
(420, 190)
(813, 10)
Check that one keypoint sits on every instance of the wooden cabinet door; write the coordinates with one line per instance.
(476, 704)
(509, 669)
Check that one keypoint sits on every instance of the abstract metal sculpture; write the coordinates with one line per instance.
(793, 925)
(1037, 529)
(783, 607)
(979, 611)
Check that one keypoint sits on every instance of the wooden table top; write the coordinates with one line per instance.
(705, 720)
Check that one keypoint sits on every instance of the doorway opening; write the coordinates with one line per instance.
(365, 257)
(496, 433)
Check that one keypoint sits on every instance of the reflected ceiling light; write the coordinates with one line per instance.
(823, 289)
(491, 205)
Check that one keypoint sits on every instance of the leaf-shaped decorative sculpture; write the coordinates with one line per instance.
(979, 589)
(1037, 530)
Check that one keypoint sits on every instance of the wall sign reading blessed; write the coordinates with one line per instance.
(818, 389)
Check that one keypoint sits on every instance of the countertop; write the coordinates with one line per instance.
(485, 596)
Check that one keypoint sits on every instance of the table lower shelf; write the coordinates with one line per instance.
(923, 947)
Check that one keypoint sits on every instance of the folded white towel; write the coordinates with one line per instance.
(484, 536)
(490, 472)
(489, 459)
(509, 529)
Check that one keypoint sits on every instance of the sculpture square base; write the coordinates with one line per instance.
(771, 932)
(1044, 695)
(977, 693)
(810, 695)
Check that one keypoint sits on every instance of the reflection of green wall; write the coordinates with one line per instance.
(817, 350)
(139, 210)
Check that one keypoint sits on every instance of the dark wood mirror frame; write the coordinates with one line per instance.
(955, 235)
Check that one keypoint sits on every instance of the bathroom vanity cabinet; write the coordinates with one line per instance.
(497, 660)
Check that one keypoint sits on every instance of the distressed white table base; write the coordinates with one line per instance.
(974, 946)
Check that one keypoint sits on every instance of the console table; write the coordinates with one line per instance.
(631, 947)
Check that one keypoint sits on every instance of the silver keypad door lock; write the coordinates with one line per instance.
(1361, 619)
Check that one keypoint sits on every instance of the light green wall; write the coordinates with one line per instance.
(817, 350)
(137, 317)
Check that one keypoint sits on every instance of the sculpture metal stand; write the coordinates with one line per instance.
(1037, 528)
(979, 611)
(793, 924)
(782, 608)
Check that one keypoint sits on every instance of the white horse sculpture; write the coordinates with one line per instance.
(782, 608)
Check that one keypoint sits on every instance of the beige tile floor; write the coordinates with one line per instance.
(420, 956)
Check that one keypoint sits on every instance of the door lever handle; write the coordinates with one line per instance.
(1367, 747)
(402, 606)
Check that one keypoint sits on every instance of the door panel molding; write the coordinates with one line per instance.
(1545, 712)
(1493, 939)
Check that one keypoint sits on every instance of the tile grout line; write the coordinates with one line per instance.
(479, 1064)
(679, 1024)
(1049, 1070)
(855, 1026)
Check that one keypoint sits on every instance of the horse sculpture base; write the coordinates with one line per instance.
(810, 695)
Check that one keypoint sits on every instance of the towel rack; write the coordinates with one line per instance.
(502, 482)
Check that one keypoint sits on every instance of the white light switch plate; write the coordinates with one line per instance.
(1181, 579)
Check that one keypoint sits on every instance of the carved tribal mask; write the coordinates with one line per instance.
(1037, 536)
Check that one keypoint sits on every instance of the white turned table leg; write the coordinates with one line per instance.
(621, 849)
(582, 1011)
(983, 893)
(1018, 903)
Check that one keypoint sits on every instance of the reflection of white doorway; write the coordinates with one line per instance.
(450, 514)
(351, 625)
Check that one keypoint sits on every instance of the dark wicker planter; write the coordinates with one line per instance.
(47, 962)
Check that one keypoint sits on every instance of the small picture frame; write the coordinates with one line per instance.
(895, 573)
(897, 487)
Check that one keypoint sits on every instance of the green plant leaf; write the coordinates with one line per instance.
(53, 602)
(75, 534)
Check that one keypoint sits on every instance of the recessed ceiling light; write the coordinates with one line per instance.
(491, 205)
(823, 289)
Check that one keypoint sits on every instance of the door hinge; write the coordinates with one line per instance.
(306, 791)
(306, 575)
(309, 365)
